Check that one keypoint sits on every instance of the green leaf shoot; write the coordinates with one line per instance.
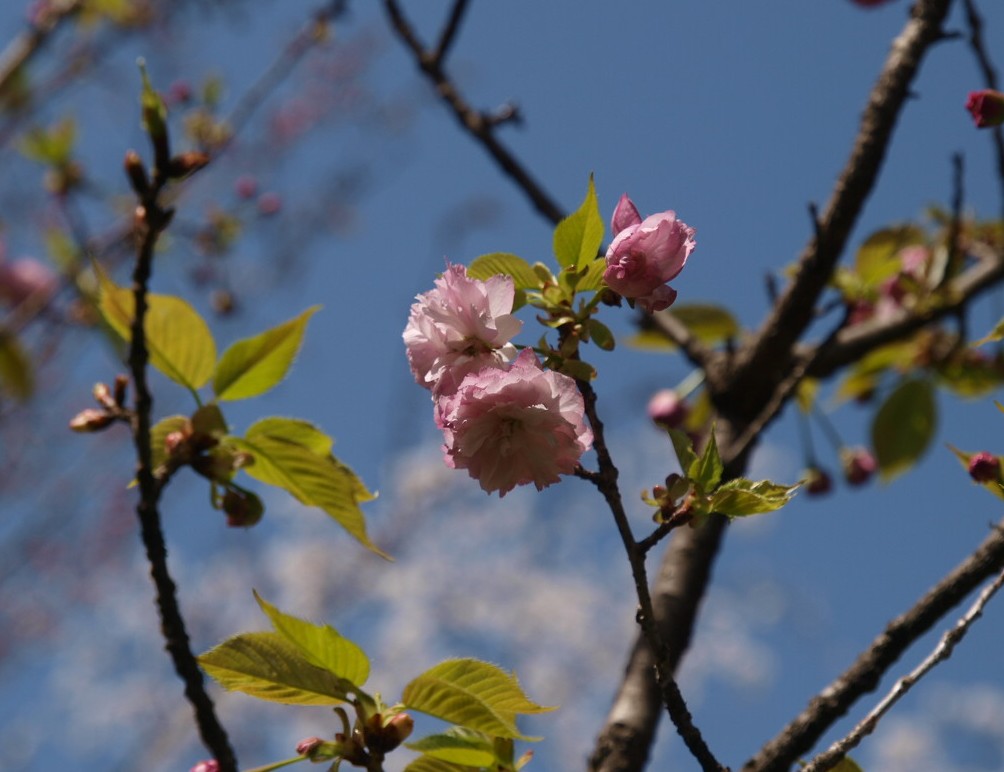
(578, 237)
(267, 666)
(742, 497)
(321, 645)
(254, 365)
(684, 448)
(472, 694)
(706, 472)
(177, 337)
(710, 324)
(495, 263)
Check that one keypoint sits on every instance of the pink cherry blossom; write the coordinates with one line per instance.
(646, 254)
(26, 278)
(986, 107)
(516, 426)
(460, 327)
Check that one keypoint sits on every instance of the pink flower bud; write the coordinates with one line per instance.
(269, 204)
(858, 465)
(817, 481)
(984, 467)
(986, 107)
(26, 278)
(246, 187)
(212, 765)
(645, 255)
(179, 92)
(666, 408)
(308, 745)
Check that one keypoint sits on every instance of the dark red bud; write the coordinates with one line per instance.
(984, 467)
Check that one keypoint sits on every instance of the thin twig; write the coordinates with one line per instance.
(22, 48)
(472, 121)
(942, 651)
(449, 33)
(799, 736)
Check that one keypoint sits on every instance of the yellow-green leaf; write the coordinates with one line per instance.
(322, 645)
(318, 480)
(878, 257)
(252, 366)
(495, 263)
(457, 746)
(293, 430)
(708, 323)
(17, 376)
(903, 427)
(577, 238)
(471, 694)
(158, 435)
(177, 337)
(592, 280)
(267, 666)
(432, 764)
(742, 497)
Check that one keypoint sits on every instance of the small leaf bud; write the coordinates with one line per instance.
(184, 164)
(984, 467)
(136, 173)
(243, 508)
(120, 388)
(91, 420)
(103, 395)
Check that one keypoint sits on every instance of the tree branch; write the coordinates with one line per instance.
(799, 736)
(473, 122)
(942, 651)
(22, 48)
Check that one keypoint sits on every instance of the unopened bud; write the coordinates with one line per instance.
(308, 745)
(316, 749)
(986, 107)
(984, 467)
(188, 163)
(817, 481)
(385, 733)
(212, 765)
(243, 508)
(136, 173)
(91, 420)
(667, 409)
(858, 465)
(103, 395)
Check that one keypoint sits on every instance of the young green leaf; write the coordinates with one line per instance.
(294, 430)
(878, 257)
(578, 237)
(684, 450)
(592, 279)
(904, 426)
(600, 334)
(315, 479)
(458, 746)
(742, 497)
(158, 436)
(177, 337)
(267, 666)
(252, 366)
(432, 764)
(17, 376)
(321, 645)
(710, 324)
(471, 694)
(707, 471)
(495, 263)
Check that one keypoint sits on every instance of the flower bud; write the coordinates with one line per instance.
(817, 481)
(385, 733)
(212, 765)
(246, 187)
(666, 409)
(243, 508)
(269, 204)
(986, 107)
(91, 420)
(103, 395)
(858, 465)
(316, 749)
(984, 467)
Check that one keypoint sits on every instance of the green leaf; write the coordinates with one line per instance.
(651, 340)
(708, 323)
(267, 666)
(847, 764)
(458, 746)
(707, 472)
(321, 645)
(314, 478)
(684, 448)
(177, 337)
(294, 430)
(878, 257)
(742, 497)
(252, 366)
(487, 266)
(578, 237)
(997, 333)
(471, 694)
(600, 334)
(903, 427)
(17, 376)
(592, 279)
(864, 376)
(432, 764)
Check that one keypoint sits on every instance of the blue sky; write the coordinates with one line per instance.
(734, 116)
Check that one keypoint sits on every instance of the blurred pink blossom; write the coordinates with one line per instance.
(858, 465)
(984, 467)
(460, 327)
(646, 254)
(666, 408)
(986, 107)
(26, 278)
(207, 766)
(514, 427)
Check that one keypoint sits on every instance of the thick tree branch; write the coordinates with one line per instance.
(794, 310)
(942, 651)
(798, 738)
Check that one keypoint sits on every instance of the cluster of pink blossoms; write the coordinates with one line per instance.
(646, 254)
(505, 419)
